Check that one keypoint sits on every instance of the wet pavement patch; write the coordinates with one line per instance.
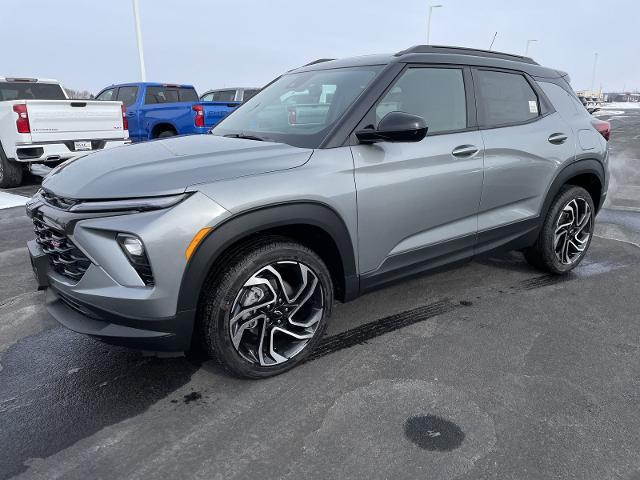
(433, 433)
(58, 387)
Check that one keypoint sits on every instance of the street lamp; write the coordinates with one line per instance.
(431, 7)
(136, 18)
(529, 42)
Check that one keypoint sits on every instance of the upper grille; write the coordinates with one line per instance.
(56, 201)
(64, 256)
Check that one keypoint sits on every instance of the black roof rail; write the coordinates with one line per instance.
(320, 60)
(466, 51)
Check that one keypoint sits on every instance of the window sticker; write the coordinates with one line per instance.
(533, 106)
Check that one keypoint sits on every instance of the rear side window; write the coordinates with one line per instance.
(223, 96)
(435, 94)
(127, 95)
(107, 95)
(30, 91)
(505, 98)
(188, 95)
(161, 95)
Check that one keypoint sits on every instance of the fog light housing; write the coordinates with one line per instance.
(134, 249)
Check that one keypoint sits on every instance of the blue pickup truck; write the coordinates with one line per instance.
(157, 110)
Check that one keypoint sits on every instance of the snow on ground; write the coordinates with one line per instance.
(8, 200)
(621, 106)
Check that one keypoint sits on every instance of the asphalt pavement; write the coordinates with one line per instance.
(492, 370)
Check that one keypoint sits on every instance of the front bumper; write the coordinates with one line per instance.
(110, 301)
(172, 334)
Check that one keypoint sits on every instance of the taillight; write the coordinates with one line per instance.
(22, 123)
(603, 127)
(199, 120)
(125, 120)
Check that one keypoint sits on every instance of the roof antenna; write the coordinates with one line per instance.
(494, 39)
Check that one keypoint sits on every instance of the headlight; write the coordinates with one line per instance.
(131, 204)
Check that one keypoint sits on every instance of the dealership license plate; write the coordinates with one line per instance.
(82, 145)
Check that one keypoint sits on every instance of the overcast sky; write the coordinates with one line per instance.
(88, 44)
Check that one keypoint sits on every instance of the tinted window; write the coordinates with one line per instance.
(505, 98)
(127, 95)
(30, 91)
(207, 97)
(188, 95)
(107, 95)
(161, 95)
(299, 108)
(248, 94)
(223, 96)
(435, 94)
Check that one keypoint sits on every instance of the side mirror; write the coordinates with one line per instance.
(395, 127)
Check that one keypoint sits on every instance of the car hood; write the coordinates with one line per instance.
(169, 166)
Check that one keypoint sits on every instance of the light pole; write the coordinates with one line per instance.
(529, 42)
(136, 18)
(593, 73)
(431, 7)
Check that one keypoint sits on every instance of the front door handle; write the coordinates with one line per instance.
(465, 151)
(558, 138)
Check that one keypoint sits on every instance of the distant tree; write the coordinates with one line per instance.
(79, 94)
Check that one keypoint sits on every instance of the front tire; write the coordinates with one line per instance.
(566, 232)
(266, 308)
(10, 172)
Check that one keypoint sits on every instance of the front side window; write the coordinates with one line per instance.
(107, 95)
(248, 94)
(435, 94)
(299, 108)
(127, 95)
(505, 98)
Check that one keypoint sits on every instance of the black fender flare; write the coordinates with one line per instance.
(247, 223)
(580, 167)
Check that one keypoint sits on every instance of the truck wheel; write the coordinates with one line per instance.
(166, 133)
(266, 308)
(10, 172)
(566, 233)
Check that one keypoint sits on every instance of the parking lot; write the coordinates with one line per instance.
(489, 370)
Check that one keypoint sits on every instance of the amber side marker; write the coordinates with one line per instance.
(195, 241)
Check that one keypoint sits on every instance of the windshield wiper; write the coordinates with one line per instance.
(245, 136)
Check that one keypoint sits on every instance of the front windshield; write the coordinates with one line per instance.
(298, 108)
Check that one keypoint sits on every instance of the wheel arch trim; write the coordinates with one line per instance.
(247, 223)
(581, 167)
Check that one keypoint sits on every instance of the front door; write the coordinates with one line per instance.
(418, 202)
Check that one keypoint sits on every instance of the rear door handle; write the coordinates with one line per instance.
(558, 138)
(465, 151)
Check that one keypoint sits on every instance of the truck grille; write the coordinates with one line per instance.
(64, 256)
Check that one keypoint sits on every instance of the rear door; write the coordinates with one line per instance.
(418, 202)
(525, 142)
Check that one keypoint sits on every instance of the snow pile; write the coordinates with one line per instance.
(621, 106)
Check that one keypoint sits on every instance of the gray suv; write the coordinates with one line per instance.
(335, 179)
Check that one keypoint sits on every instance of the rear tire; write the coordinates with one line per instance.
(10, 172)
(286, 294)
(166, 134)
(566, 232)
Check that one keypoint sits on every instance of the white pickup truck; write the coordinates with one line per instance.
(41, 127)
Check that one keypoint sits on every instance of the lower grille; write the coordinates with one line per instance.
(65, 258)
